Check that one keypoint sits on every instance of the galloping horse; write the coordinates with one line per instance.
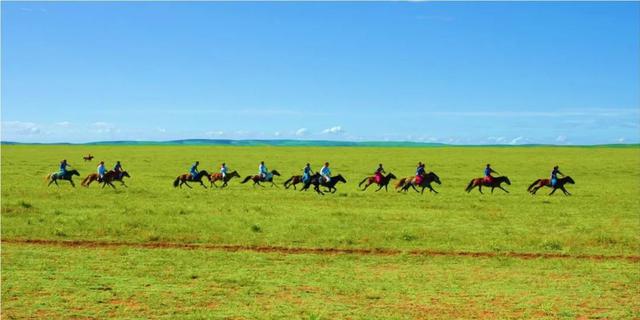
(292, 182)
(182, 179)
(54, 177)
(383, 183)
(87, 158)
(316, 180)
(401, 182)
(258, 178)
(218, 177)
(495, 183)
(110, 176)
(533, 188)
(425, 183)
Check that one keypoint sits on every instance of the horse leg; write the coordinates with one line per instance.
(554, 190)
(202, 184)
(422, 191)
(366, 186)
(503, 189)
(186, 184)
(566, 193)
(123, 184)
(273, 184)
(414, 187)
(380, 187)
(492, 189)
(72, 184)
(480, 188)
(50, 182)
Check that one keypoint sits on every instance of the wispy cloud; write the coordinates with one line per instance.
(20, 128)
(302, 132)
(333, 130)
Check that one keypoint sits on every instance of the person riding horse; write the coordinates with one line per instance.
(223, 170)
(118, 170)
(194, 170)
(101, 171)
(263, 172)
(554, 175)
(306, 173)
(325, 172)
(63, 167)
(487, 174)
(378, 174)
(420, 172)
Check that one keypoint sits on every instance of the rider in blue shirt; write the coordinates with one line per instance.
(101, 171)
(554, 175)
(194, 170)
(63, 167)
(326, 172)
(118, 169)
(263, 171)
(306, 173)
(487, 173)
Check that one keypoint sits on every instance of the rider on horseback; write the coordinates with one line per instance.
(326, 172)
(263, 172)
(194, 170)
(63, 168)
(117, 169)
(554, 175)
(487, 174)
(306, 173)
(378, 174)
(419, 173)
(223, 170)
(101, 171)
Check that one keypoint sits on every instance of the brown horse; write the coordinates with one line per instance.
(54, 177)
(218, 177)
(495, 183)
(401, 182)
(372, 179)
(292, 182)
(533, 188)
(425, 183)
(183, 178)
(108, 178)
(88, 158)
(258, 178)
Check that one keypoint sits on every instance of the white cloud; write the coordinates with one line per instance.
(64, 124)
(333, 130)
(215, 133)
(161, 130)
(20, 128)
(517, 140)
(620, 140)
(103, 127)
(302, 132)
(561, 139)
(497, 139)
(277, 133)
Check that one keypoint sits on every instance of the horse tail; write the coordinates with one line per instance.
(176, 182)
(47, 177)
(84, 182)
(246, 179)
(286, 183)
(470, 185)
(533, 184)
(361, 182)
(400, 183)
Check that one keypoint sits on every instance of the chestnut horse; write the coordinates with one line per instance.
(218, 177)
(54, 177)
(88, 158)
(110, 176)
(182, 179)
(258, 178)
(533, 188)
(383, 183)
(495, 183)
(292, 182)
(401, 182)
(425, 183)
(316, 180)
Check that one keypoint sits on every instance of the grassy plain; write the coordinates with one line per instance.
(602, 218)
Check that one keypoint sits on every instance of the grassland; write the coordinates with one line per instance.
(91, 279)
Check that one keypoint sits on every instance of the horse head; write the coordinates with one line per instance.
(435, 178)
(569, 180)
(234, 173)
(275, 172)
(74, 172)
(203, 173)
(340, 178)
(505, 179)
(391, 176)
(125, 174)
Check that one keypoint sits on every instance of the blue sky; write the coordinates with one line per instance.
(463, 73)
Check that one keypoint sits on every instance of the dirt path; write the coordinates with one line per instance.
(303, 250)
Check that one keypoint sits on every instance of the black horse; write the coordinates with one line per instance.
(425, 183)
(68, 175)
(316, 180)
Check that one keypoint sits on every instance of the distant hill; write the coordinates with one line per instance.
(298, 143)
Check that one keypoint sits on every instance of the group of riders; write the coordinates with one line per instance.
(101, 170)
(307, 172)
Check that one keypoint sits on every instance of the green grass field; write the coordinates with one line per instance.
(248, 258)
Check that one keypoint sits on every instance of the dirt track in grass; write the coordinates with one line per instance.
(311, 250)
